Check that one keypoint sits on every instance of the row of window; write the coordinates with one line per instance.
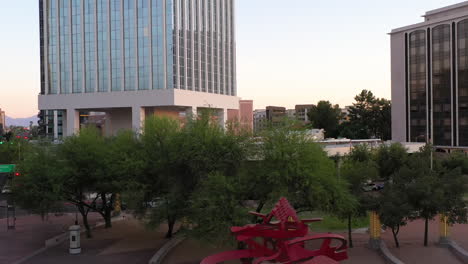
(441, 83)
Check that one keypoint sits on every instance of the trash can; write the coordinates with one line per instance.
(75, 247)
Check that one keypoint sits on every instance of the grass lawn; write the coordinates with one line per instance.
(332, 223)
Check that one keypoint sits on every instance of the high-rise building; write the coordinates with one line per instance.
(132, 58)
(430, 79)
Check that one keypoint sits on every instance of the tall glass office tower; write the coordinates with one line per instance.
(92, 46)
(104, 49)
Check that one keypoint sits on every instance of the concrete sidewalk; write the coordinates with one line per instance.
(30, 234)
(412, 250)
(192, 252)
(128, 241)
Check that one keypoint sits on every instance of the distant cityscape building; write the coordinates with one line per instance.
(134, 58)
(2, 122)
(275, 114)
(302, 112)
(244, 115)
(291, 113)
(259, 120)
(430, 79)
(345, 114)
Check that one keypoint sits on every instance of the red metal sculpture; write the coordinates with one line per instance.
(281, 238)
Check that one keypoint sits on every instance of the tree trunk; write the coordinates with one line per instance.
(107, 211)
(426, 229)
(350, 237)
(108, 218)
(395, 236)
(170, 225)
(258, 210)
(84, 215)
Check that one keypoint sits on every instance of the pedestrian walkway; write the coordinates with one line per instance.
(128, 241)
(30, 234)
(192, 252)
(412, 250)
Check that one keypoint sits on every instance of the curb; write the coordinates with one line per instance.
(458, 251)
(387, 255)
(54, 241)
(165, 249)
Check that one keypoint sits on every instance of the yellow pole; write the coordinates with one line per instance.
(375, 226)
(444, 229)
(374, 230)
(117, 208)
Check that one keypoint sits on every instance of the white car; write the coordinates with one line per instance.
(6, 189)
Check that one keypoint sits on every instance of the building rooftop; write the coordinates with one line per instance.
(437, 16)
(445, 9)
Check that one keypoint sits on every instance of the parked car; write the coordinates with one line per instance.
(6, 189)
(373, 186)
(369, 187)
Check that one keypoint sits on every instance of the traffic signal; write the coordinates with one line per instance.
(17, 174)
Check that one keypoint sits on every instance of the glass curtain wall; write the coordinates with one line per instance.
(188, 38)
(65, 30)
(77, 47)
(102, 45)
(170, 34)
(143, 46)
(417, 71)
(157, 20)
(41, 31)
(116, 45)
(196, 49)
(90, 45)
(52, 49)
(441, 79)
(463, 82)
(129, 44)
(204, 46)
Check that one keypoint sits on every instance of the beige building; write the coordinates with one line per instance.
(429, 63)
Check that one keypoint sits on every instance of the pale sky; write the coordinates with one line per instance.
(288, 51)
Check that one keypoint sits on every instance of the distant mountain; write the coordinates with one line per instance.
(24, 122)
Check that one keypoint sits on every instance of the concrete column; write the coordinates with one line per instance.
(73, 122)
(55, 125)
(223, 116)
(108, 125)
(138, 117)
(192, 112)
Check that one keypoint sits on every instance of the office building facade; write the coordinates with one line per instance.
(429, 63)
(133, 58)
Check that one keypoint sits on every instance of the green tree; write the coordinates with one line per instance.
(394, 208)
(122, 163)
(217, 205)
(358, 168)
(390, 159)
(288, 164)
(179, 157)
(39, 188)
(369, 117)
(83, 158)
(326, 116)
